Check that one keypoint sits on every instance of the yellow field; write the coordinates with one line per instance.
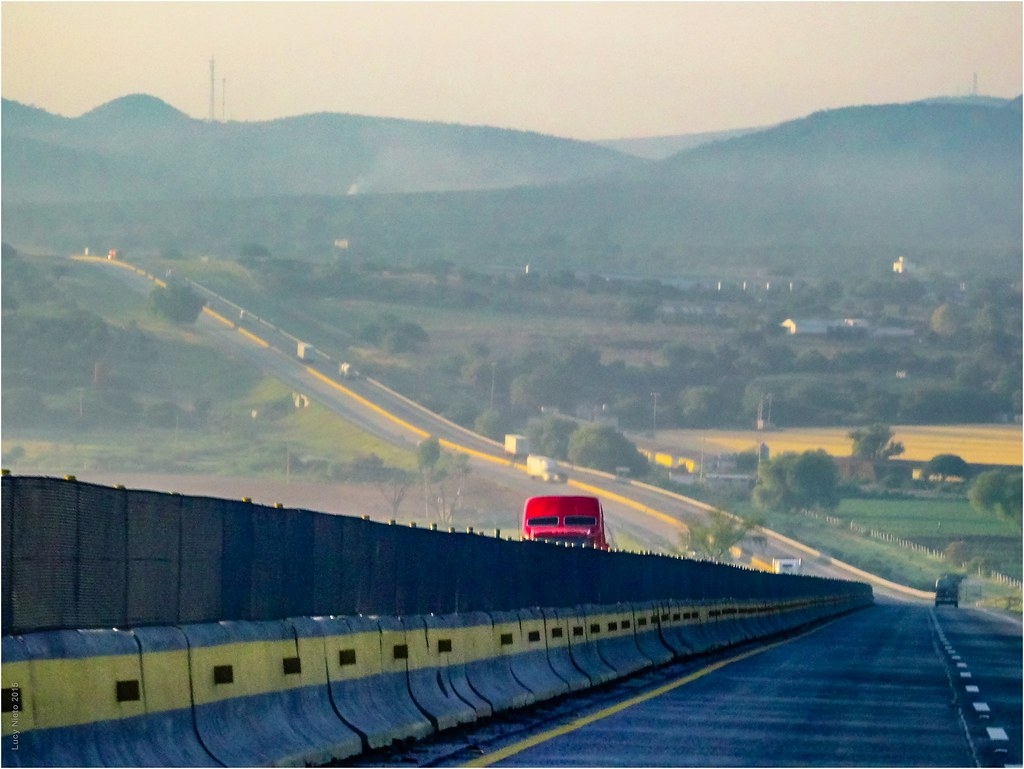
(976, 444)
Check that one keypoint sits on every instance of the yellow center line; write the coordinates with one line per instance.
(500, 755)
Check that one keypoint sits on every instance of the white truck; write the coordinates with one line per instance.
(516, 446)
(786, 565)
(305, 351)
(348, 371)
(544, 469)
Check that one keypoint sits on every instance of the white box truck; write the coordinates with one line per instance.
(786, 565)
(544, 469)
(516, 446)
(305, 351)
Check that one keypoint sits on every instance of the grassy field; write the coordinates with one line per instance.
(975, 444)
(980, 539)
(986, 541)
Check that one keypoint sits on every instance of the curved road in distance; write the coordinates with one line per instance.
(652, 517)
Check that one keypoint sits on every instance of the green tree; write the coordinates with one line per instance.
(713, 541)
(428, 453)
(550, 436)
(946, 321)
(542, 386)
(946, 466)
(404, 336)
(449, 476)
(997, 491)
(700, 406)
(794, 481)
(875, 443)
(177, 302)
(604, 448)
(493, 424)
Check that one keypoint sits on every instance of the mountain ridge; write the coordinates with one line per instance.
(938, 182)
(315, 153)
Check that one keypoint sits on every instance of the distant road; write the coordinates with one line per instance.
(652, 517)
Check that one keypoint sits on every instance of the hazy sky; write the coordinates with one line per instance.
(587, 70)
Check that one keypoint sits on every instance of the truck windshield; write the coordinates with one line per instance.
(551, 520)
(580, 520)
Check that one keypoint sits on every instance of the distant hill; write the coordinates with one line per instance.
(839, 193)
(661, 147)
(140, 148)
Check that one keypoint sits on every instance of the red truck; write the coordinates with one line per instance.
(568, 520)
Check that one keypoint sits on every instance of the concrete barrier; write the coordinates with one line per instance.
(370, 694)
(670, 625)
(18, 698)
(753, 619)
(718, 624)
(487, 667)
(647, 629)
(405, 640)
(771, 617)
(743, 621)
(583, 647)
(556, 634)
(690, 628)
(520, 639)
(797, 611)
(768, 618)
(316, 690)
(169, 737)
(80, 700)
(448, 639)
(245, 673)
(611, 631)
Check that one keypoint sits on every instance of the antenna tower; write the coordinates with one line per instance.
(212, 86)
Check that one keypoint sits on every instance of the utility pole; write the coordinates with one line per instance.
(494, 365)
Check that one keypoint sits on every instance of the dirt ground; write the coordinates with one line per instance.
(484, 503)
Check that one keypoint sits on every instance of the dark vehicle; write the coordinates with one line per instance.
(947, 590)
(565, 520)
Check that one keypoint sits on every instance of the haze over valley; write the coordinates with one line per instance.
(825, 195)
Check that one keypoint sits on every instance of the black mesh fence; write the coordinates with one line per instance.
(77, 555)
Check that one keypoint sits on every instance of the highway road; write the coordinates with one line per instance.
(652, 518)
(887, 686)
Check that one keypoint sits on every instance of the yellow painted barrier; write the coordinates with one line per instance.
(453, 640)
(428, 677)
(370, 696)
(245, 673)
